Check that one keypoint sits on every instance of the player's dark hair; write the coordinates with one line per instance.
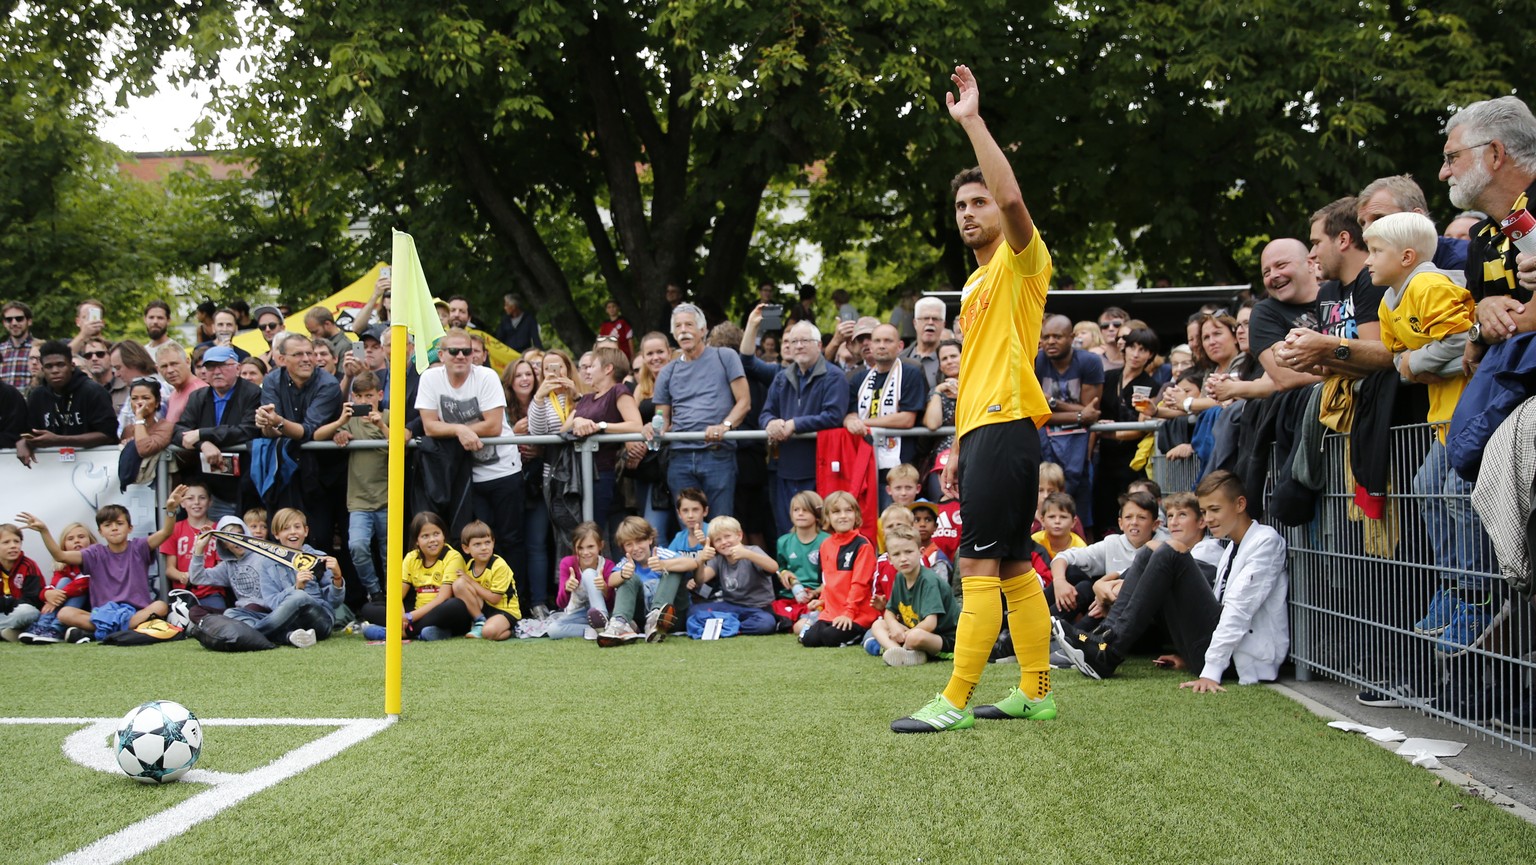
(970, 175)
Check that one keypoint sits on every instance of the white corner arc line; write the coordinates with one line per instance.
(154, 830)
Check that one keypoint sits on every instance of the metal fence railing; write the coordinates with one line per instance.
(1359, 587)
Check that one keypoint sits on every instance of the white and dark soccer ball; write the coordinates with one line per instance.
(158, 742)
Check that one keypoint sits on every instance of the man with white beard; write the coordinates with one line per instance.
(1490, 165)
(928, 319)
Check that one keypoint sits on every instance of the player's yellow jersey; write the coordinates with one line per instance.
(1001, 310)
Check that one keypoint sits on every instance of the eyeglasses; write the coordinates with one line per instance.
(271, 325)
(298, 354)
(15, 318)
(93, 355)
(800, 340)
(458, 351)
(1110, 325)
(1450, 155)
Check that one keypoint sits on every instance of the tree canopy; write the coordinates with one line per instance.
(571, 152)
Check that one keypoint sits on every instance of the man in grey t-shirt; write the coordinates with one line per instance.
(705, 391)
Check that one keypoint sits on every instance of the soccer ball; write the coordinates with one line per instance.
(158, 742)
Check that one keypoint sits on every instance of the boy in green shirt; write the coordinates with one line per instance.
(919, 622)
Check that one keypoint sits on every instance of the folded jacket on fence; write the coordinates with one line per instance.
(1502, 496)
(1504, 380)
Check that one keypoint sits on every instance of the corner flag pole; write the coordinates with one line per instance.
(412, 315)
(395, 548)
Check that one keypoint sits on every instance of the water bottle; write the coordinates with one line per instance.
(658, 423)
(802, 595)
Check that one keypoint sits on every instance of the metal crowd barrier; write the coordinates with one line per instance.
(1358, 587)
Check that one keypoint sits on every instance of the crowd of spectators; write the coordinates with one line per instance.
(1373, 321)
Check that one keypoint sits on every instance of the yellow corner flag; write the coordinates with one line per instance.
(413, 313)
(412, 305)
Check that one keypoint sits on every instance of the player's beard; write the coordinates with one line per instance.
(1469, 187)
(984, 237)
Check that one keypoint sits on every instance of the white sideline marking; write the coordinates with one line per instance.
(88, 747)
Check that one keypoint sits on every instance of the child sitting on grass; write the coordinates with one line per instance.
(235, 567)
(885, 572)
(177, 550)
(920, 621)
(1099, 565)
(743, 575)
(67, 587)
(1238, 624)
(121, 597)
(21, 592)
(648, 579)
(1053, 480)
(799, 557)
(847, 575)
(300, 602)
(902, 485)
(925, 518)
(1057, 513)
(429, 569)
(485, 588)
(584, 596)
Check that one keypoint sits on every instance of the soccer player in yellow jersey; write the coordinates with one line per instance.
(997, 447)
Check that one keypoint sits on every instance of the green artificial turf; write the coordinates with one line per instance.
(751, 749)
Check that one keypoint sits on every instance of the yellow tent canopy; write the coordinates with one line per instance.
(349, 302)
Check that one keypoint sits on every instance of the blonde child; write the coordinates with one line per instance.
(902, 484)
(743, 574)
(67, 587)
(847, 574)
(1057, 513)
(301, 602)
(584, 596)
(648, 579)
(920, 622)
(429, 569)
(484, 588)
(256, 523)
(799, 557)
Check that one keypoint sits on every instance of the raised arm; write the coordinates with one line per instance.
(965, 108)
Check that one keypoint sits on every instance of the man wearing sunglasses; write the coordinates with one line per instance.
(16, 349)
(98, 365)
(270, 322)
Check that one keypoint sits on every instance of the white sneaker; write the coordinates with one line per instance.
(303, 638)
(589, 634)
(899, 657)
(11, 635)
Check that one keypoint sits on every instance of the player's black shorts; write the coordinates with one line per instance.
(999, 477)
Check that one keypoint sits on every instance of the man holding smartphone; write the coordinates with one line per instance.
(90, 321)
(217, 418)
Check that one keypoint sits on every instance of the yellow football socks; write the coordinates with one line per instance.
(981, 618)
(1029, 625)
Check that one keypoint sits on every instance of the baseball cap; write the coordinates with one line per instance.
(865, 326)
(260, 311)
(220, 354)
(923, 505)
(375, 333)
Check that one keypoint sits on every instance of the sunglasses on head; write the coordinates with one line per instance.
(458, 351)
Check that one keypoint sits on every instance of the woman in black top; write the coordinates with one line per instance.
(1116, 449)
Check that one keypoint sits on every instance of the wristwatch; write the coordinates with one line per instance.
(726, 424)
(602, 426)
(1051, 403)
(1342, 352)
(1476, 333)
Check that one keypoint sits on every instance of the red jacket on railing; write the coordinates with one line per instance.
(846, 462)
